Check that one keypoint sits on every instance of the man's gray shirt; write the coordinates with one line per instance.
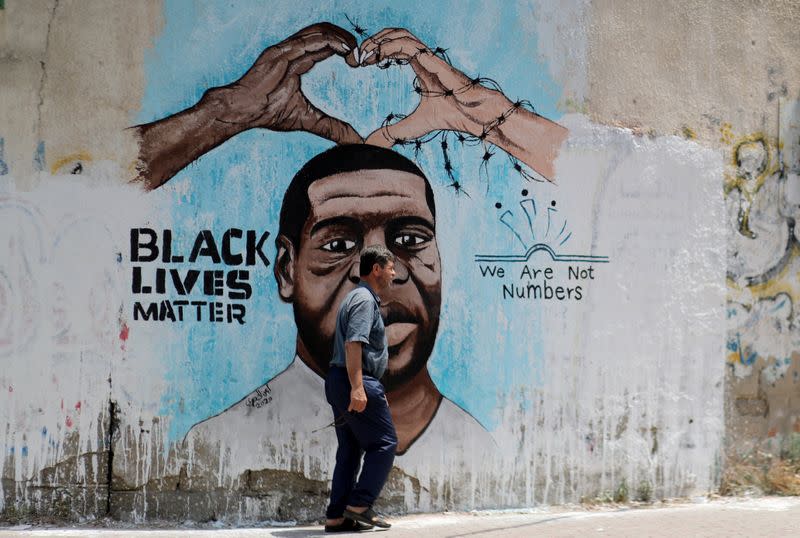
(359, 320)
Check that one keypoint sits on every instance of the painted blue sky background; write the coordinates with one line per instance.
(486, 349)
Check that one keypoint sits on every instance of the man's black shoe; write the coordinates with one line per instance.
(348, 525)
(368, 517)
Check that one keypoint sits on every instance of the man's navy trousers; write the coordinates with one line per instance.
(370, 433)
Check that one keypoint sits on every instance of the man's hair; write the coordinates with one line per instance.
(371, 255)
(337, 160)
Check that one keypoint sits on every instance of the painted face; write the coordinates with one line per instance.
(349, 211)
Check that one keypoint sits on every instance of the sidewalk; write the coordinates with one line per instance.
(752, 517)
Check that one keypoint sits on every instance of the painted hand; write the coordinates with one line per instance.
(270, 96)
(448, 99)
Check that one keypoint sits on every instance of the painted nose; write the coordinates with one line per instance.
(375, 237)
(400, 271)
(354, 276)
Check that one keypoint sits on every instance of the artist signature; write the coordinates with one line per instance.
(262, 397)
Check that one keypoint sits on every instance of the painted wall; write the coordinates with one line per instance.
(583, 306)
(743, 101)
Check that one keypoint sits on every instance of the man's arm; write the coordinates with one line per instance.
(358, 398)
(267, 96)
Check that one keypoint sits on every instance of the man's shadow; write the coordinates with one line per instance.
(306, 533)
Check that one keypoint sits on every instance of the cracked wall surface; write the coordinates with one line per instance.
(72, 81)
(676, 196)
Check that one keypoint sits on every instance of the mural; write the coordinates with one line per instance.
(555, 326)
(340, 201)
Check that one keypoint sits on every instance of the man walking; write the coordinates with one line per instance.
(353, 388)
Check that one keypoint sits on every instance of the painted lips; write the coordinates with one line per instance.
(400, 323)
(398, 332)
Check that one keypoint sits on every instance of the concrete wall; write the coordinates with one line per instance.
(722, 76)
(602, 304)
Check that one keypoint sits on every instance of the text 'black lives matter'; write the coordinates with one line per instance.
(191, 293)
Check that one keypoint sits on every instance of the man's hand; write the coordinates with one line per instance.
(449, 100)
(358, 400)
(358, 397)
(269, 95)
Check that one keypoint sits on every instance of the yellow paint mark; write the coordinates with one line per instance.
(734, 179)
(732, 285)
(689, 133)
(571, 105)
(748, 186)
(82, 156)
(726, 133)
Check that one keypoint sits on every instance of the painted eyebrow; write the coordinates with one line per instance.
(335, 221)
(399, 222)
(369, 195)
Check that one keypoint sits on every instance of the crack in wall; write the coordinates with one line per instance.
(43, 78)
(113, 426)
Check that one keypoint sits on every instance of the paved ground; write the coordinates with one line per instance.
(766, 516)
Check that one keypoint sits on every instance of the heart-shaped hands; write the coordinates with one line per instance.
(270, 96)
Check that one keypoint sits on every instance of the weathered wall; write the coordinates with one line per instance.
(723, 75)
(602, 302)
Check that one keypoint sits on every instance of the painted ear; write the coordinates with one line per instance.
(284, 268)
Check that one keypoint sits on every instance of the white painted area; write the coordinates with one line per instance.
(62, 288)
(632, 387)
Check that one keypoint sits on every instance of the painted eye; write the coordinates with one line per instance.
(339, 245)
(409, 240)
